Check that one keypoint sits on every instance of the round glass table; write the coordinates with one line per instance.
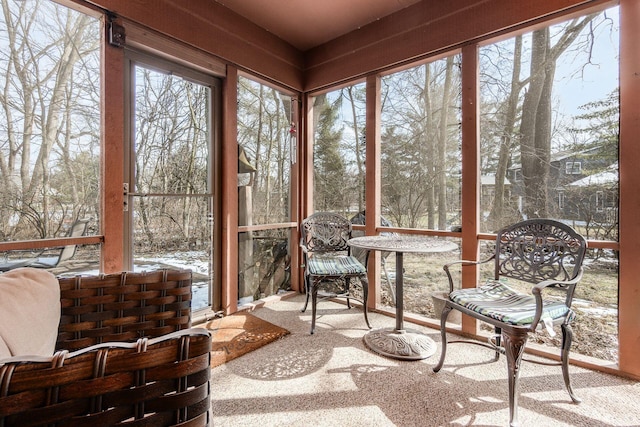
(398, 342)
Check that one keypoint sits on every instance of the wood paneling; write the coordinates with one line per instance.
(209, 26)
(306, 24)
(417, 31)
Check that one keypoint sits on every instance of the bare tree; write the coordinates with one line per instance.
(519, 120)
(329, 169)
(354, 96)
(44, 92)
(264, 124)
(535, 125)
(419, 141)
(443, 138)
(171, 158)
(506, 135)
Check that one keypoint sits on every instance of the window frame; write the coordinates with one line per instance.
(58, 242)
(573, 168)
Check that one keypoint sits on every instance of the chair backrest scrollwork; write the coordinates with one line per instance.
(325, 232)
(539, 249)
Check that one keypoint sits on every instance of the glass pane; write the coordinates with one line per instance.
(172, 134)
(549, 126)
(171, 208)
(549, 132)
(49, 120)
(263, 264)
(421, 140)
(595, 328)
(339, 150)
(173, 232)
(423, 276)
(265, 132)
(85, 261)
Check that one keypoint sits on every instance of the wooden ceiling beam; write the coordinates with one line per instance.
(419, 31)
(218, 31)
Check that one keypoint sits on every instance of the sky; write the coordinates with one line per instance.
(598, 78)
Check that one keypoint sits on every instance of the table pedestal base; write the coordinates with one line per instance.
(403, 344)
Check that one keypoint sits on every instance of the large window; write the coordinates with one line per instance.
(339, 150)
(170, 175)
(49, 123)
(421, 166)
(549, 144)
(267, 136)
(421, 145)
(549, 114)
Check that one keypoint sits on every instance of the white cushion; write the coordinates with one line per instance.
(29, 312)
(4, 350)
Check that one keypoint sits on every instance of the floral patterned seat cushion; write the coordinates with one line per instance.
(334, 266)
(496, 300)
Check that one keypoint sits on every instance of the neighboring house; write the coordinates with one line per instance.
(488, 188)
(592, 198)
(583, 185)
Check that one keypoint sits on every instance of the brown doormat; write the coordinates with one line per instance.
(239, 334)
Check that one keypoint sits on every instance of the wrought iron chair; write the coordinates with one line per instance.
(542, 252)
(327, 259)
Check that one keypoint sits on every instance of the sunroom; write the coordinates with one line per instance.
(199, 134)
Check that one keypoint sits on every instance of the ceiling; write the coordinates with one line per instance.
(308, 23)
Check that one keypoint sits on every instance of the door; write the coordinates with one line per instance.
(169, 185)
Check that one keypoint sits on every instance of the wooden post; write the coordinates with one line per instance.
(470, 172)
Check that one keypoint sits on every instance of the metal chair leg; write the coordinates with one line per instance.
(306, 291)
(567, 338)
(314, 303)
(365, 293)
(514, 349)
(347, 291)
(498, 334)
(443, 337)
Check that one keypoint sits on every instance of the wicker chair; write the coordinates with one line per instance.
(125, 355)
(542, 252)
(327, 259)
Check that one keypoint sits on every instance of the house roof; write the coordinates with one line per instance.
(607, 176)
(305, 24)
(491, 180)
(558, 156)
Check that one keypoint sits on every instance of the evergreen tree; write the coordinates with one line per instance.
(328, 164)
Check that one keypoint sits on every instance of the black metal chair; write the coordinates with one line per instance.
(542, 252)
(327, 260)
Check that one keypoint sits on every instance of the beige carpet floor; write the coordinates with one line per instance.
(332, 379)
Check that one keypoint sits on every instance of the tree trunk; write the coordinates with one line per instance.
(442, 147)
(508, 129)
(431, 149)
(535, 127)
(359, 160)
(534, 154)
